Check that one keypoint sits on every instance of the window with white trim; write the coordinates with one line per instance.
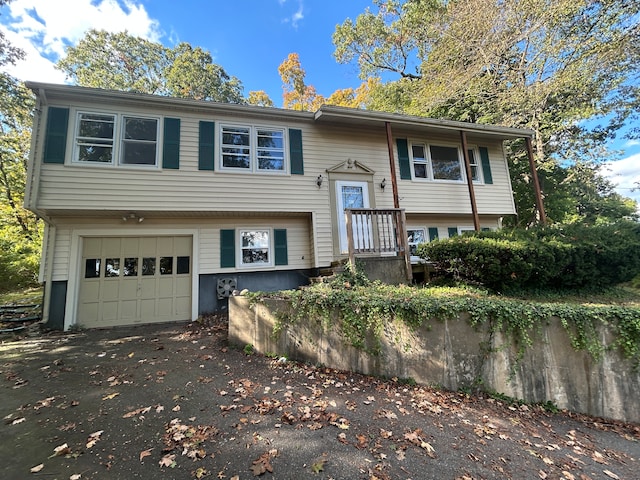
(416, 236)
(441, 162)
(255, 247)
(476, 171)
(252, 149)
(110, 139)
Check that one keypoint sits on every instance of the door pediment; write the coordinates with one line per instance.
(350, 166)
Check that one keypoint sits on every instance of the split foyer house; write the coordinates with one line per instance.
(156, 208)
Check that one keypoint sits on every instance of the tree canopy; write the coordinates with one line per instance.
(120, 61)
(20, 230)
(567, 69)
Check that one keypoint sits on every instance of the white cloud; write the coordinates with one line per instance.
(42, 28)
(625, 175)
(295, 17)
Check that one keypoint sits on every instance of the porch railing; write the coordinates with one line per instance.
(377, 232)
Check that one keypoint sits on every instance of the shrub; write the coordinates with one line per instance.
(556, 257)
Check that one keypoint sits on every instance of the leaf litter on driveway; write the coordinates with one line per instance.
(175, 401)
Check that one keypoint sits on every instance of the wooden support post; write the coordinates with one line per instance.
(350, 243)
(467, 168)
(392, 167)
(536, 182)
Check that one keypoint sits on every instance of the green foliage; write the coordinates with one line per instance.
(557, 257)
(119, 61)
(360, 313)
(545, 66)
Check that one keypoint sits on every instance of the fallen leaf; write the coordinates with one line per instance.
(168, 461)
(145, 453)
(75, 476)
(37, 468)
(201, 472)
(18, 420)
(318, 466)
(93, 438)
(60, 450)
(611, 474)
(111, 396)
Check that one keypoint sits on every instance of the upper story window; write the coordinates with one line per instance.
(139, 141)
(252, 149)
(442, 162)
(109, 139)
(94, 140)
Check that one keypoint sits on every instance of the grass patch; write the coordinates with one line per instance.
(28, 296)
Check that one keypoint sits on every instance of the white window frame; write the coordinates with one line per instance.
(465, 228)
(117, 145)
(477, 163)
(425, 234)
(429, 161)
(253, 149)
(269, 247)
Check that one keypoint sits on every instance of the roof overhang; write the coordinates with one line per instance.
(326, 114)
(350, 116)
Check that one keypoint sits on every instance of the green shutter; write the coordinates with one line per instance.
(171, 144)
(227, 248)
(485, 229)
(295, 151)
(280, 245)
(55, 140)
(453, 231)
(433, 234)
(403, 158)
(486, 165)
(206, 146)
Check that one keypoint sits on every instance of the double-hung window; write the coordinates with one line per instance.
(95, 138)
(415, 237)
(475, 165)
(252, 149)
(255, 247)
(139, 141)
(110, 139)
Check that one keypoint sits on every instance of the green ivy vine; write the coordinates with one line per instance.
(361, 309)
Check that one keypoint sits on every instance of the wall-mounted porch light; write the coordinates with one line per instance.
(383, 184)
(319, 180)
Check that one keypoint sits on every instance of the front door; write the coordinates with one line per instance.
(350, 195)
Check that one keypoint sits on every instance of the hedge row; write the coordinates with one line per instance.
(558, 257)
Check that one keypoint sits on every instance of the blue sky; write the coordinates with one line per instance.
(248, 38)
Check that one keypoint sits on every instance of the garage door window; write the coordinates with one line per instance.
(182, 266)
(92, 268)
(166, 265)
(148, 266)
(130, 267)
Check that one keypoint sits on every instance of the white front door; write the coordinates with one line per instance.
(350, 195)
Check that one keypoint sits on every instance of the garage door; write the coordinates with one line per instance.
(128, 280)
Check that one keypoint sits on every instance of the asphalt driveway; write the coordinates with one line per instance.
(176, 402)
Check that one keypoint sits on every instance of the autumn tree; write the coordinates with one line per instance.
(120, 61)
(297, 95)
(259, 98)
(545, 65)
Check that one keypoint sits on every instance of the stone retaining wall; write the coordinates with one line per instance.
(454, 355)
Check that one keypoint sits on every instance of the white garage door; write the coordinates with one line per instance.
(127, 280)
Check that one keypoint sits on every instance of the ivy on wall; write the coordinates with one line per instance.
(361, 309)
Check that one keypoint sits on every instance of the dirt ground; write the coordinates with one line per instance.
(177, 402)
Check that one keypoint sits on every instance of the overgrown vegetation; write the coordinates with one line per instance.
(361, 309)
(555, 257)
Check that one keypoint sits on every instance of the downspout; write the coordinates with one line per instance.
(467, 168)
(392, 166)
(536, 182)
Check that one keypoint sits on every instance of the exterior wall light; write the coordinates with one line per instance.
(319, 180)
(383, 184)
